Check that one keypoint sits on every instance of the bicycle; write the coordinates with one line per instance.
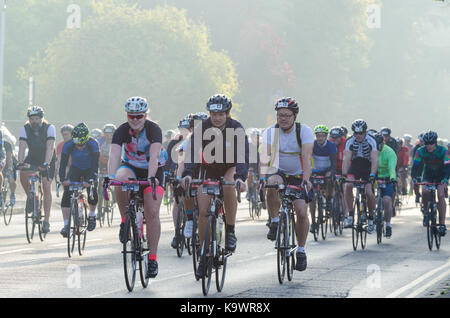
(106, 210)
(194, 245)
(33, 215)
(379, 217)
(254, 204)
(134, 248)
(182, 241)
(337, 213)
(430, 214)
(7, 208)
(360, 205)
(212, 254)
(321, 221)
(78, 216)
(285, 243)
(168, 194)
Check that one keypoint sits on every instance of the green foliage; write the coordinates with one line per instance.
(123, 51)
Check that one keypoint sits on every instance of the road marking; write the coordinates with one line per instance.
(417, 281)
(431, 283)
(15, 251)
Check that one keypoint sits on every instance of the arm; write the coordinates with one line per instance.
(346, 162)
(63, 166)
(307, 150)
(155, 150)
(114, 159)
(374, 160)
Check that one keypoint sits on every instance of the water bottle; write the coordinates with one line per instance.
(219, 228)
(139, 222)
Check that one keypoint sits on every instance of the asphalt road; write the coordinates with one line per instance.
(400, 267)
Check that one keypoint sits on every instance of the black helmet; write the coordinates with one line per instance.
(336, 132)
(359, 126)
(345, 130)
(219, 104)
(430, 138)
(372, 132)
(289, 103)
(385, 131)
(80, 134)
(35, 111)
(380, 141)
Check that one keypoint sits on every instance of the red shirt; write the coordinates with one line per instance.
(340, 154)
(59, 149)
(403, 157)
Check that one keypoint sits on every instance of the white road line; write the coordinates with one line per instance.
(430, 284)
(15, 251)
(87, 241)
(417, 281)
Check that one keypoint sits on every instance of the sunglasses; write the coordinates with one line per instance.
(359, 133)
(135, 117)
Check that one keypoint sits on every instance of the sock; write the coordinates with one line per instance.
(152, 257)
(92, 213)
(229, 228)
(275, 220)
(388, 224)
(66, 222)
(190, 215)
(300, 249)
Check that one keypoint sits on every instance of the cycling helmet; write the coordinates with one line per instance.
(336, 132)
(359, 126)
(289, 103)
(136, 105)
(185, 122)
(109, 128)
(420, 137)
(200, 116)
(35, 111)
(321, 129)
(95, 133)
(407, 137)
(80, 134)
(345, 131)
(380, 141)
(440, 142)
(219, 103)
(169, 134)
(430, 138)
(372, 132)
(399, 141)
(67, 127)
(386, 131)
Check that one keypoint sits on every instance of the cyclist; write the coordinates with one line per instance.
(289, 146)
(408, 138)
(84, 152)
(2, 163)
(402, 165)
(388, 140)
(387, 162)
(345, 130)
(104, 143)
(337, 136)
(168, 136)
(324, 160)
(231, 164)
(141, 141)
(66, 133)
(253, 169)
(9, 142)
(39, 136)
(434, 162)
(96, 133)
(360, 162)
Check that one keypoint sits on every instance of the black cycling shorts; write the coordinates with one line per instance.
(360, 169)
(78, 175)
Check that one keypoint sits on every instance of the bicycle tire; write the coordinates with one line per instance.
(430, 237)
(8, 212)
(281, 251)
(322, 219)
(355, 234)
(195, 243)
(110, 210)
(291, 257)
(207, 255)
(129, 252)
(379, 221)
(363, 226)
(179, 230)
(72, 228)
(315, 223)
(143, 262)
(82, 230)
(220, 260)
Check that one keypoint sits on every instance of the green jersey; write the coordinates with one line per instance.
(387, 163)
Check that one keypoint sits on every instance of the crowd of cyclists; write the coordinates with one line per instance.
(212, 145)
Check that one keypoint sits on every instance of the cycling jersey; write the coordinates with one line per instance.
(387, 162)
(136, 152)
(434, 165)
(239, 158)
(104, 148)
(403, 157)
(340, 154)
(36, 140)
(361, 150)
(85, 159)
(324, 157)
(289, 152)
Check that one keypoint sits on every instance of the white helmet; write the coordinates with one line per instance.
(136, 105)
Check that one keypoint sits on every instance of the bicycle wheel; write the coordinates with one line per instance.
(195, 245)
(430, 229)
(315, 220)
(40, 217)
(71, 235)
(363, 229)
(323, 220)
(82, 227)
(143, 262)
(355, 232)
(179, 230)
(379, 221)
(280, 246)
(207, 254)
(221, 268)
(290, 254)
(129, 250)
(6, 207)
(110, 209)
(336, 215)
(30, 225)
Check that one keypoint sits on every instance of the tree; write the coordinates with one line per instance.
(124, 51)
